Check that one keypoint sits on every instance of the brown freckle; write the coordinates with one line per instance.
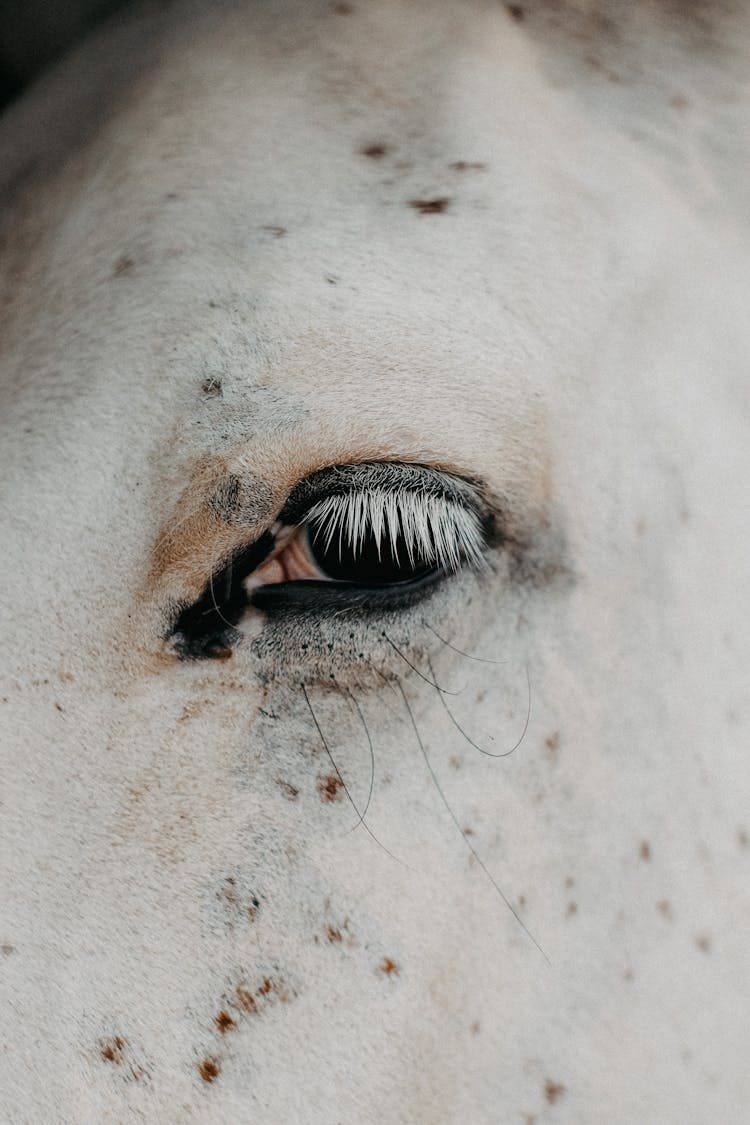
(569, 881)
(430, 206)
(454, 762)
(245, 1000)
(475, 1028)
(468, 166)
(553, 1090)
(703, 942)
(112, 1050)
(333, 934)
(553, 742)
(679, 101)
(522, 901)
(645, 851)
(330, 787)
(375, 151)
(122, 266)
(224, 1022)
(742, 838)
(572, 909)
(664, 907)
(209, 1069)
(468, 831)
(7, 949)
(516, 12)
(266, 987)
(343, 9)
(212, 387)
(58, 707)
(291, 792)
(388, 967)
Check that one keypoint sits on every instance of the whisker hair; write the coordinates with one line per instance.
(465, 838)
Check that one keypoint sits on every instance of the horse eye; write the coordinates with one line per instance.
(373, 539)
(370, 562)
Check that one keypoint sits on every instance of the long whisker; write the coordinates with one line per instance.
(481, 749)
(363, 822)
(460, 651)
(466, 839)
(372, 759)
(215, 604)
(414, 668)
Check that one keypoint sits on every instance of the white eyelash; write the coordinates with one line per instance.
(432, 528)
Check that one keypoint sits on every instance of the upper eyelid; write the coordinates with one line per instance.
(389, 475)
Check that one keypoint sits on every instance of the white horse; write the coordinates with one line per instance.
(375, 596)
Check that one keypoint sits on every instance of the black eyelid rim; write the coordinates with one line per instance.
(312, 596)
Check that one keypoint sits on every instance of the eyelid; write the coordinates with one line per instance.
(395, 476)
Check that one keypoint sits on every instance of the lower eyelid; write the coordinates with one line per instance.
(320, 597)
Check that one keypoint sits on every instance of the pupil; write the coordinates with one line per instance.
(366, 566)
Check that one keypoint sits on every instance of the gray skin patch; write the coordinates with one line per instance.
(242, 501)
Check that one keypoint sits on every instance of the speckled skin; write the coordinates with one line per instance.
(242, 242)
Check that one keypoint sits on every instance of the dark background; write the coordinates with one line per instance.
(33, 33)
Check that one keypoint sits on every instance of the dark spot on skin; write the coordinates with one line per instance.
(224, 1022)
(375, 151)
(122, 266)
(388, 967)
(330, 787)
(569, 882)
(679, 101)
(645, 851)
(209, 1069)
(553, 742)
(664, 907)
(572, 909)
(277, 232)
(112, 1050)
(430, 206)
(703, 942)
(206, 630)
(291, 792)
(58, 707)
(742, 838)
(7, 949)
(454, 762)
(331, 280)
(171, 195)
(468, 166)
(333, 934)
(245, 1000)
(343, 9)
(516, 12)
(553, 1091)
(212, 387)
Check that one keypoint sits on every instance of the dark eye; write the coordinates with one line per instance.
(374, 538)
(371, 562)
